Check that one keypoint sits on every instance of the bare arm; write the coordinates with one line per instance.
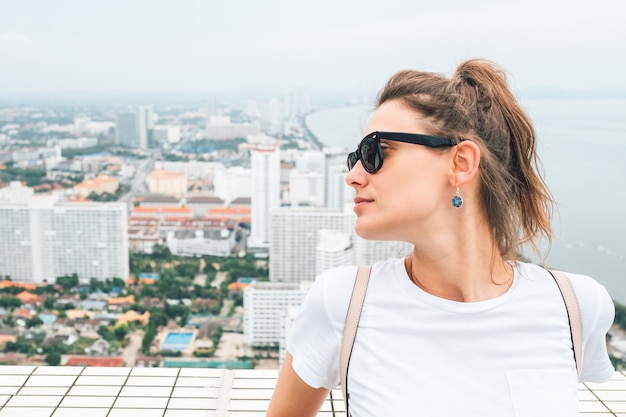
(293, 397)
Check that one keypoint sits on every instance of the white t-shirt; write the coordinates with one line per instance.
(417, 354)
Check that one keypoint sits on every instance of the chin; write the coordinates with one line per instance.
(371, 233)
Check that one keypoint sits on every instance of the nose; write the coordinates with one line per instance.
(357, 176)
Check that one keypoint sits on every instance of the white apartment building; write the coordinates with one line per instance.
(42, 241)
(15, 193)
(232, 183)
(211, 242)
(309, 160)
(294, 241)
(265, 190)
(336, 191)
(166, 134)
(264, 306)
(220, 128)
(287, 319)
(306, 188)
(334, 248)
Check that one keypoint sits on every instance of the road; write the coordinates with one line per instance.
(129, 353)
(138, 184)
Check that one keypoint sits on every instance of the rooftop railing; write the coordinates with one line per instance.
(74, 391)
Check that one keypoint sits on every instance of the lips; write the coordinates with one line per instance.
(361, 200)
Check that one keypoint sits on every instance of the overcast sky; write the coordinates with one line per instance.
(322, 45)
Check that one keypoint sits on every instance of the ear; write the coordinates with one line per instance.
(465, 163)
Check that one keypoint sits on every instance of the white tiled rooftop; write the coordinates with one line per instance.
(46, 391)
(56, 391)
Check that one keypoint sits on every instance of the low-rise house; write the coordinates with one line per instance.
(79, 314)
(101, 184)
(121, 303)
(174, 302)
(132, 316)
(66, 336)
(7, 334)
(93, 305)
(152, 302)
(107, 361)
(99, 348)
(143, 361)
(29, 299)
(203, 346)
(84, 324)
(23, 314)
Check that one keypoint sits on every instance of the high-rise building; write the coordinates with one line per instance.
(135, 128)
(306, 188)
(42, 241)
(294, 241)
(265, 196)
(264, 306)
(145, 127)
(336, 191)
(126, 133)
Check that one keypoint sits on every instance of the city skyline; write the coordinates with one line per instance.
(71, 47)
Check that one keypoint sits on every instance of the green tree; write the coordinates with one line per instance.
(33, 322)
(10, 302)
(106, 333)
(118, 282)
(67, 282)
(53, 358)
(187, 269)
(161, 252)
(120, 330)
(49, 302)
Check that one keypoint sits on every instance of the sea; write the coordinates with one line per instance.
(582, 146)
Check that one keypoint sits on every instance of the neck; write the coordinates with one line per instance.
(465, 285)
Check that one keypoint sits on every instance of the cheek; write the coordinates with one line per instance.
(421, 186)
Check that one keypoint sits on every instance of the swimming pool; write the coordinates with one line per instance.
(203, 363)
(177, 341)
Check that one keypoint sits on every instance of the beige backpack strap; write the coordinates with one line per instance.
(573, 312)
(349, 330)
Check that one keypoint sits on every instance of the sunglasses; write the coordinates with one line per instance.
(370, 153)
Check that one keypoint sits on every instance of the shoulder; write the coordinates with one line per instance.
(596, 305)
(333, 287)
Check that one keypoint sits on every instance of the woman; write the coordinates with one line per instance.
(459, 327)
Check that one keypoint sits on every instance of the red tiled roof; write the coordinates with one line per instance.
(115, 362)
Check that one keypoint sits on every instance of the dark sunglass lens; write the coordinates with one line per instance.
(370, 155)
(352, 160)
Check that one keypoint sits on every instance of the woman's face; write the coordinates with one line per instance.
(411, 193)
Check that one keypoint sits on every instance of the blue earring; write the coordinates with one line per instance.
(457, 200)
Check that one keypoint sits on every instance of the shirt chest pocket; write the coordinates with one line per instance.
(545, 392)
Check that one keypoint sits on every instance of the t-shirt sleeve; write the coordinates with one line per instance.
(598, 312)
(314, 339)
